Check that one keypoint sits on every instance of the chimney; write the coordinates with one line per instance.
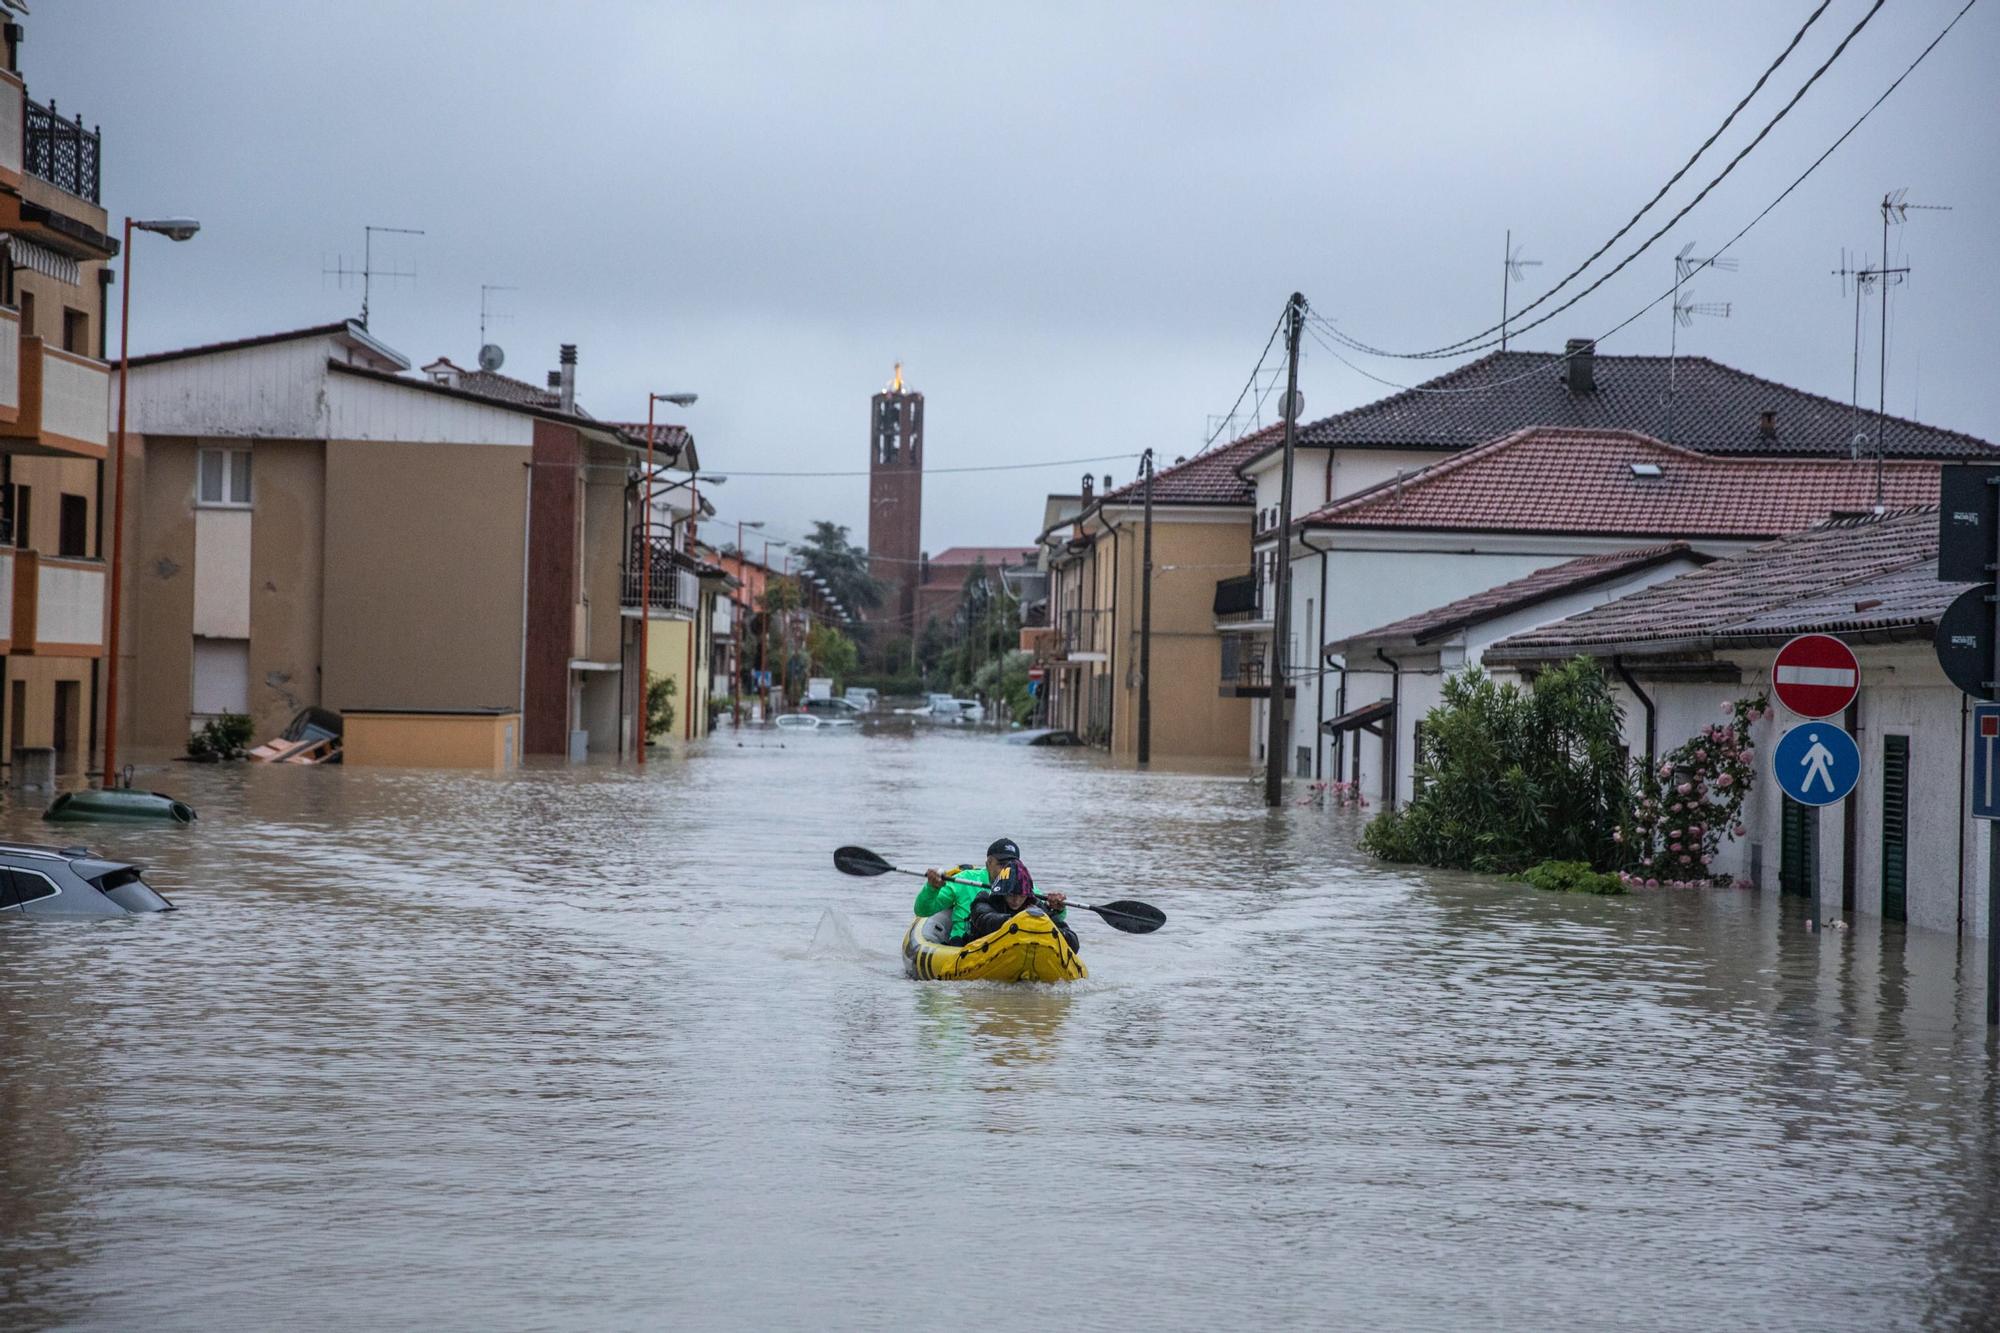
(1767, 425)
(567, 378)
(1089, 485)
(1107, 481)
(1580, 360)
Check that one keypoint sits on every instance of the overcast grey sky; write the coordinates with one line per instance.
(1075, 224)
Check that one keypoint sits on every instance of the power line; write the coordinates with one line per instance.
(1248, 384)
(1465, 346)
(1672, 181)
(936, 471)
(1762, 213)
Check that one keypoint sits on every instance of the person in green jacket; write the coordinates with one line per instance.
(955, 889)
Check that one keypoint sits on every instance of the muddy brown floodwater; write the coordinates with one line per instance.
(585, 1048)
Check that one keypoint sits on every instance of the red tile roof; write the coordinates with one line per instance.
(964, 557)
(1205, 479)
(1560, 479)
(1541, 586)
(1868, 574)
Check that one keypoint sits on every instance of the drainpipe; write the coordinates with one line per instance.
(1394, 731)
(1110, 635)
(1319, 658)
(1645, 700)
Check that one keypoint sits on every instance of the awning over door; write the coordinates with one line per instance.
(1368, 718)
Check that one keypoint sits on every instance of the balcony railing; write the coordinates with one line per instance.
(61, 152)
(1085, 632)
(1239, 599)
(1246, 665)
(676, 586)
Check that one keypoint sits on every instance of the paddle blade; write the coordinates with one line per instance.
(859, 861)
(1130, 917)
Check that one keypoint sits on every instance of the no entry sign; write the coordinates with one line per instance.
(1815, 675)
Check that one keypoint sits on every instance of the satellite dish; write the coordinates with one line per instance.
(491, 358)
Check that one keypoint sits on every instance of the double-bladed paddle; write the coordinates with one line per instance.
(1133, 918)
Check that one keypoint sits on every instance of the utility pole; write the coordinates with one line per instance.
(1894, 209)
(1146, 625)
(1281, 612)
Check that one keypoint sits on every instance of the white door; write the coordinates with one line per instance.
(221, 676)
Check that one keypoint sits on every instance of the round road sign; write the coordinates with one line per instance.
(1965, 641)
(1815, 675)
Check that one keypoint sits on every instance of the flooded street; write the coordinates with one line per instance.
(585, 1048)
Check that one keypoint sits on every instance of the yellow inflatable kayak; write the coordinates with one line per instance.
(1027, 948)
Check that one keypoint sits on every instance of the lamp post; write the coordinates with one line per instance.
(174, 229)
(646, 574)
(736, 672)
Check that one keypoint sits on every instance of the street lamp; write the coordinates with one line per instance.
(174, 229)
(736, 672)
(646, 575)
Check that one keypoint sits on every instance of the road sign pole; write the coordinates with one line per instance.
(1993, 825)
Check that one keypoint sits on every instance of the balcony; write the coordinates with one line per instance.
(50, 605)
(1246, 667)
(10, 361)
(13, 107)
(675, 578)
(61, 152)
(64, 401)
(1083, 636)
(1239, 602)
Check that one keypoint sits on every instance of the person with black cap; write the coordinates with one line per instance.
(1010, 889)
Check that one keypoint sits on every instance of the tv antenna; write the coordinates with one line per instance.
(490, 352)
(1896, 210)
(1514, 269)
(368, 272)
(1684, 308)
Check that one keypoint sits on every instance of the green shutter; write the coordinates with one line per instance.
(1895, 827)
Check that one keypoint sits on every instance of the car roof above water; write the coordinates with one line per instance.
(85, 861)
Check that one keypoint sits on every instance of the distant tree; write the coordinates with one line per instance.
(829, 554)
(832, 653)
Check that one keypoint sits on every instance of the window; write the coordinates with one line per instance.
(225, 477)
(24, 509)
(1895, 827)
(76, 332)
(27, 314)
(73, 534)
(221, 677)
(24, 886)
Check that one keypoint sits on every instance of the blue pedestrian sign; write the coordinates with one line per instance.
(1817, 763)
(1986, 761)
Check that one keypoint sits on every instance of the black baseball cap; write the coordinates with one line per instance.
(1004, 850)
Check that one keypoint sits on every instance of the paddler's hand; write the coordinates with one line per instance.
(934, 879)
(1056, 901)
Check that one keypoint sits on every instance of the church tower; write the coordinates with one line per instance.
(896, 500)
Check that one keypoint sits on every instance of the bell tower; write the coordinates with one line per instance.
(896, 499)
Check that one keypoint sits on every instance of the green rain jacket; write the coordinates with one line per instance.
(958, 897)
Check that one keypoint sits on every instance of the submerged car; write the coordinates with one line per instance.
(71, 884)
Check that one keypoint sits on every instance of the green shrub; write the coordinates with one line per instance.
(224, 737)
(1571, 877)
(1506, 777)
(660, 707)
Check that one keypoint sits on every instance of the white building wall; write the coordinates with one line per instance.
(1903, 693)
(275, 391)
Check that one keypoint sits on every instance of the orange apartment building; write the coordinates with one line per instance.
(55, 289)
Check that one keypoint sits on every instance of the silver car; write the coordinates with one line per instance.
(71, 884)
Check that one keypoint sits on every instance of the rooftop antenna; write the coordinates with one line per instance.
(1686, 264)
(1896, 208)
(368, 272)
(491, 358)
(1514, 269)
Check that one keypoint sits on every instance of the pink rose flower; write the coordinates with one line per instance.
(1737, 831)
(1652, 884)
(1726, 780)
(1685, 788)
(1747, 756)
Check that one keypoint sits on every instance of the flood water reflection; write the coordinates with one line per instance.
(586, 1048)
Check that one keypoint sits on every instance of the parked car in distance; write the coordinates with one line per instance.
(943, 708)
(970, 710)
(832, 709)
(796, 722)
(863, 697)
